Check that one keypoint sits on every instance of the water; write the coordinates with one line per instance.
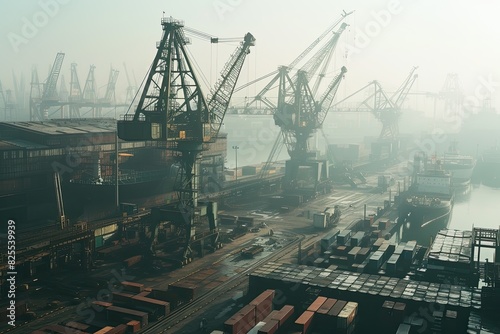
(480, 208)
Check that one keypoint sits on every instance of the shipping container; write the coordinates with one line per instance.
(242, 322)
(283, 315)
(376, 260)
(319, 220)
(303, 323)
(270, 327)
(362, 254)
(121, 313)
(392, 263)
(123, 298)
(120, 329)
(183, 290)
(263, 305)
(132, 286)
(353, 253)
(344, 237)
(104, 330)
(255, 329)
(77, 325)
(357, 238)
(162, 308)
(347, 315)
(328, 240)
(404, 329)
(100, 304)
(133, 326)
(59, 329)
(327, 305)
(377, 244)
(314, 307)
(337, 308)
(131, 261)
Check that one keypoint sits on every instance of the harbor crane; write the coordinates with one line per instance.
(387, 109)
(41, 99)
(299, 112)
(174, 111)
(9, 106)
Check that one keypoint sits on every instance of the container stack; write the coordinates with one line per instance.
(364, 288)
(330, 313)
(450, 255)
(277, 320)
(252, 314)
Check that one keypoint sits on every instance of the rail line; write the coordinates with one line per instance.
(187, 310)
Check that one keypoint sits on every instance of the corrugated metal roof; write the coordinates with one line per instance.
(67, 126)
(20, 143)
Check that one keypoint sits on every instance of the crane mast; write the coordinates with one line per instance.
(173, 110)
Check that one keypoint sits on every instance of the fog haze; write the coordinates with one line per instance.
(384, 39)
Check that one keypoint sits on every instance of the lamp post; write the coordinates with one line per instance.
(236, 153)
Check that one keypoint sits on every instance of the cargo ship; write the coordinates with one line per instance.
(461, 168)
(427, 205)
(489, 167)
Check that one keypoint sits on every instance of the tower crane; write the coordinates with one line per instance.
(41, 101)
(173, 109)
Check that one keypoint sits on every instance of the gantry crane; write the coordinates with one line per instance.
(42, 99)
(387, 109)
(173, 109)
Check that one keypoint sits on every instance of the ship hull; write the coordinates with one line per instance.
(421, 222)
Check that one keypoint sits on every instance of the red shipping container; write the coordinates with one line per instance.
(132, 286)
(284, 314)
(270, 327)
(133, 326)
(242, 321)
(304, 321)
(120, 329)
(314, 307)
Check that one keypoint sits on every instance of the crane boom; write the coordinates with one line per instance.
(223, 91)
(310, 67)
(49, 91)
(322, 56)
(110, 89)
(328, 96)
(399, 96)
(316, 41)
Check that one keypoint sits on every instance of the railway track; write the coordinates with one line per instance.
(184, 312)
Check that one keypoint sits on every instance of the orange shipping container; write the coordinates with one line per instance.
(314, 307)
(304, 322)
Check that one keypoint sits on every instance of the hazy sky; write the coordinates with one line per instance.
(385, 38)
